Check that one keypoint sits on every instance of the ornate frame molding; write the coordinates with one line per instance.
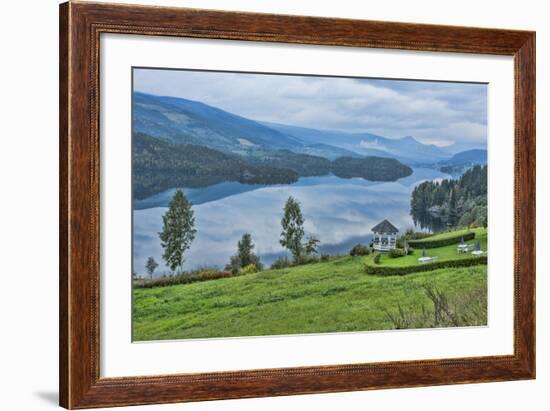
(81, 24)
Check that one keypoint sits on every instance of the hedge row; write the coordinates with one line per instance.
(186, 279)
(427, 243)
(409, 269)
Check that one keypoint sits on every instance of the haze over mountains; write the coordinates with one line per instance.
(183, 121)
(460, 162)
(405, 149)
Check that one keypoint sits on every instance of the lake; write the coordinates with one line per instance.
(339, 212)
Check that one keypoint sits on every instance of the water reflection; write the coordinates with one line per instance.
(340, 212)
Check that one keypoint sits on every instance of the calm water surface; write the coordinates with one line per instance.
(340, 212)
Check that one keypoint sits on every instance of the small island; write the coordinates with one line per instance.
(370, 168)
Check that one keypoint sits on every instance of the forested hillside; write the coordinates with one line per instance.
(185, 121)
(303, 164)
(462, 161)
(160, 165)
(370, 168)
(451, 203)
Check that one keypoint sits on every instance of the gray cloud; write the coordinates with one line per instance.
(433, 112)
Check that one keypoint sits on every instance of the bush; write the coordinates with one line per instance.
(202, 269)
(409, 269)
(397, 252)
(284, 262)
(359, 249)
(427, 243)
(463, 309)
(249, 269)
(281, 262)
(325, 257)
(306, 259)
(410, 235)
(236, 264)
(207, 275)
(377, 258)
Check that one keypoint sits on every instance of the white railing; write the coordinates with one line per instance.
(380, 247)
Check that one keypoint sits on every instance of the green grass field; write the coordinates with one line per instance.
(333, 296)
(443, 253)
(479, 232)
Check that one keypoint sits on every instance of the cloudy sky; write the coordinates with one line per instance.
(432, 112)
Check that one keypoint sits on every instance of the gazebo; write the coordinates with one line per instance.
(385, 236)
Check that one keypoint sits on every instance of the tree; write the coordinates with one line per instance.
(310, 246)
(151, 266)
(245, 255)
(178, 230)
(451, 203)
(293, 228)
(453, 208)
(244, 249)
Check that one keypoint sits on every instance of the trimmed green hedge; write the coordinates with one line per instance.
(427, 243)
(409, 269)
(186, 279)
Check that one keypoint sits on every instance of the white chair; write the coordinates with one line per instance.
(478, 252)
(464, 248)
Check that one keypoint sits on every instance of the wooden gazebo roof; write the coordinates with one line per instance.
(385, 227)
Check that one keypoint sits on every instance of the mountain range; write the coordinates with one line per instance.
(470, 156)
(460, 162)
(182, 121)
(406, 149)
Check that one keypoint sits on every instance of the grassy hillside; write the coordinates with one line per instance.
(332, 296)
(481, 234)
(442, 253)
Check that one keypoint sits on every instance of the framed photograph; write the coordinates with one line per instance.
(258, 205)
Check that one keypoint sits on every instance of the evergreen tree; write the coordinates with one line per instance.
(151, 266)
(453, 208)
(178, 230)
(244, 249)
(293, 228)
(245, 255)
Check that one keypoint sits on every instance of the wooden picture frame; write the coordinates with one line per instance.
(80, 27)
